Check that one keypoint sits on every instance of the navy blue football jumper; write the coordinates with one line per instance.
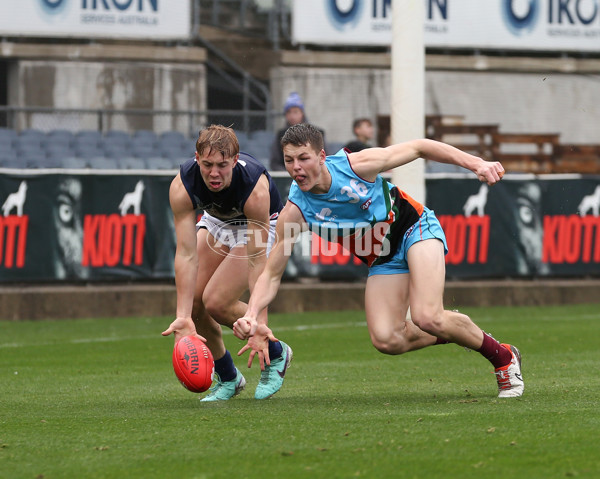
(228, 204)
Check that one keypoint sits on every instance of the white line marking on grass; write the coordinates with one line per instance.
(299, 327)
(226, 332)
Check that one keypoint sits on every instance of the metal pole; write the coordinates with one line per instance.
(215, 12)
(243, 9)
(275, 24)
(195, 18)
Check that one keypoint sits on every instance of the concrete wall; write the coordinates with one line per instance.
(109, 78)
(148, 300)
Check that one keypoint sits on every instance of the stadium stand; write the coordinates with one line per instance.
(143, 149)
(132, 163)
(10, 160)
(159, 163)
(88, 138)
(117, 137)
(59, 137)
(103, 163)
(7, 133)
(72, 162)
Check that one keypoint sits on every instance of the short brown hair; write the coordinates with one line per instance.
(219, 138)
(303, 134)
(360, 121)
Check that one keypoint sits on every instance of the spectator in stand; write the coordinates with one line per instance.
(293, 109)
(363, 132)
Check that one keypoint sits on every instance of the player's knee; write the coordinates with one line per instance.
(390, 344)
(216, 306)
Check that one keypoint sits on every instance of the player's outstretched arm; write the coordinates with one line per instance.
(289, 226)
(372, 161)
(186, 260)
(256, 211)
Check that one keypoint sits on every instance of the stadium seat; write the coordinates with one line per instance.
(58, 149)
(117, 136)
(30, 138)
(143, 142)
(7, 135)
(263, 136)
(176, 152)
(242, 137)
(9, 159)
(43, 162)
(88, 138)
(143, 152)
(28, 142)
(188, 150)
(59, 136)
(116, 150)
(30, 153)
(74, 163)
(158, 163)
(32, 133)
(171, 137)
(132, 163)
(56, 143)
(6, 148)
(260, 149)
(32, 159)
(6, 143)
(147, 135)
(103, 163)
(175, 144)
(178, 161)
(88, 152)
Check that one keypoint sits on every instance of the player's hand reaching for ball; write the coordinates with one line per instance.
(244, 328)
(258, 343)
(182, 327)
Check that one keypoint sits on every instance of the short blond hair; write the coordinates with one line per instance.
(218, 138)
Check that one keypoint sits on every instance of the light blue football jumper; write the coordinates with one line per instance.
(370, 219)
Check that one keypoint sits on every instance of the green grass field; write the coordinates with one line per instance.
(99, 399)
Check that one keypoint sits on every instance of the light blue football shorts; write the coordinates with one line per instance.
(428, 227)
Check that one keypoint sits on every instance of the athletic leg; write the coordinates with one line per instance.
(386, 306)
(229, 381)
(427, 272)
(210, 257)
(225, 287)
(426, 295)
(426, 262)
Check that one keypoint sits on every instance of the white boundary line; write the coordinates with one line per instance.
(226, 332)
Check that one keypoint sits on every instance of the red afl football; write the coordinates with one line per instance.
(193, 364)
